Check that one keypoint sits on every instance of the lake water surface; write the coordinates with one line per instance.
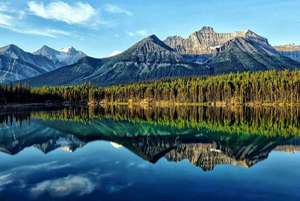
(120, 153)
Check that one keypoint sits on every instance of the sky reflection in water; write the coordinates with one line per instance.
(147, 168)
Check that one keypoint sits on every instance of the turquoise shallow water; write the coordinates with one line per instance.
(46, 159)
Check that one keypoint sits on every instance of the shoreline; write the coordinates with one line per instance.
(142, 104)
(28, 106)
(204, 104)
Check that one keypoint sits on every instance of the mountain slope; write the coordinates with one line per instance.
(16, 64)
(66, 56)
(146, 60)
(67, 75)
(292, 51)
(241, 54)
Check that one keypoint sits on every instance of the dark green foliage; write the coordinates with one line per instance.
(263, 87)
(238, 88)
(21, 94)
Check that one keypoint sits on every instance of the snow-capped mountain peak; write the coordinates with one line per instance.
(62, 57)
(68, 50)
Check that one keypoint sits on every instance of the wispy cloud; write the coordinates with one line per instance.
(52, 33)
(78, 13)
(13, 20)
(111, 8)
(139, 33)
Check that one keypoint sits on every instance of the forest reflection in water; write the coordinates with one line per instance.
(206, 136)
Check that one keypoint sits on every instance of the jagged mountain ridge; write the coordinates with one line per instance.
(16, 64)
(65, 56)
(206, 40)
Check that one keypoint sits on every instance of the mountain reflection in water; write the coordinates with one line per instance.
(206, 137)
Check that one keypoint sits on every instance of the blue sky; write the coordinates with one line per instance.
(102, 27)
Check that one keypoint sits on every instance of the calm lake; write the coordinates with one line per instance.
(121, 153)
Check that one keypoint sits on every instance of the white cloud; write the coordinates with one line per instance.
(75, 185)
(117, 10)
(5, 20)
(140, 33)
(78, 13)
(11, 19)
(114, 53)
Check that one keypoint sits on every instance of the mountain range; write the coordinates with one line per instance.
(17, 64)
(204, 52)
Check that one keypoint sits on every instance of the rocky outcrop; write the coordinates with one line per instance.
(207, 41)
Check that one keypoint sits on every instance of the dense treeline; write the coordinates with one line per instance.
(10, 94)
(239, 88)
(266, 87)
(23, 94)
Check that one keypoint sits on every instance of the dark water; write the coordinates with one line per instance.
(131, 154)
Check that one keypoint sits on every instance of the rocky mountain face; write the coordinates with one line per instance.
(68, 75)
(16, 64)
(65, 56)
(207, 41)
(242, 54)
(291, 50)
